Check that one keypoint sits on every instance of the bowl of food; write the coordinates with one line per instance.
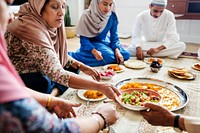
(107, 74)
(155, 66)
(134, 98)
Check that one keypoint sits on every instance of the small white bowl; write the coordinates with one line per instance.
(107, 74)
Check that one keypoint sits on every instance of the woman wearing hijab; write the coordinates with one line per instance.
(37, 47)
(97, 47)
(19, 113)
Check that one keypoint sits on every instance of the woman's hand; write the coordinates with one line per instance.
(97, 54)
(63, 108)
(109, 90)
(119, 57)
(109, 112)
(90, 71)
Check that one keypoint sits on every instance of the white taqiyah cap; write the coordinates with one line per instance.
(159, 2)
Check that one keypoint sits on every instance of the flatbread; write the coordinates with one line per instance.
(135, 64)
(181, 73)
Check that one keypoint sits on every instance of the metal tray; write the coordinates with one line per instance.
(180, 92)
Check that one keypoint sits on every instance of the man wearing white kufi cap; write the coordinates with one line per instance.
(159, 2)
(155, 34)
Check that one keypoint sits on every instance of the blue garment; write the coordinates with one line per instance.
(41, 83)
(28, 116)
(103, 43)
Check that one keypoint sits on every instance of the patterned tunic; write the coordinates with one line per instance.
(32, 58)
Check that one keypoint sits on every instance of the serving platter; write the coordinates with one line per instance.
(180, 93)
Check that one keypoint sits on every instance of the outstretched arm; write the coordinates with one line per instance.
(63, 108)
(163, 117)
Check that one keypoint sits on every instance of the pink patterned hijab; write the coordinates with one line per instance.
(31, 27)
(92, 21)
(11, 85)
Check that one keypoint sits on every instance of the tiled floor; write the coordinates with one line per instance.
(73, 44)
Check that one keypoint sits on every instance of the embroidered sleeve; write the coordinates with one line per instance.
(30, 58)
(20, 117)
(49, 64)
(70, 61)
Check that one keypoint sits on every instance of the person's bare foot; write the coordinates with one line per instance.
(55, 92)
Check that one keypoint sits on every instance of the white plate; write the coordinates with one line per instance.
(191, 75)
(147, 60)
(135, 64)
(106, 67)
(196, 68)
(81, 92)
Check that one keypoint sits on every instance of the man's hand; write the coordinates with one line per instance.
(139, 53)
(157, 115)
(152, 51)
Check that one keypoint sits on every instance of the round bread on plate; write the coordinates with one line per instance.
(135, 64)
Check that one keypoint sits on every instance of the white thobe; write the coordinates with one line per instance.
(149, 32)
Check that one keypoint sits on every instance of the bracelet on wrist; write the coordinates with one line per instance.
(78, 66)
(48, 101)
(104, 119)
(176, 121)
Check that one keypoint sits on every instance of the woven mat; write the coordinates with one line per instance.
(132, 121)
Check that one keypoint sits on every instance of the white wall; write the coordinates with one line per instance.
(76, 9)
(189, 30)
(127, 12)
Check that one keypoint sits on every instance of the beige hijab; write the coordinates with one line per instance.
(32, 28)
(93, 22)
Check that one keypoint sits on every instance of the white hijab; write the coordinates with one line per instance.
(92, 21)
